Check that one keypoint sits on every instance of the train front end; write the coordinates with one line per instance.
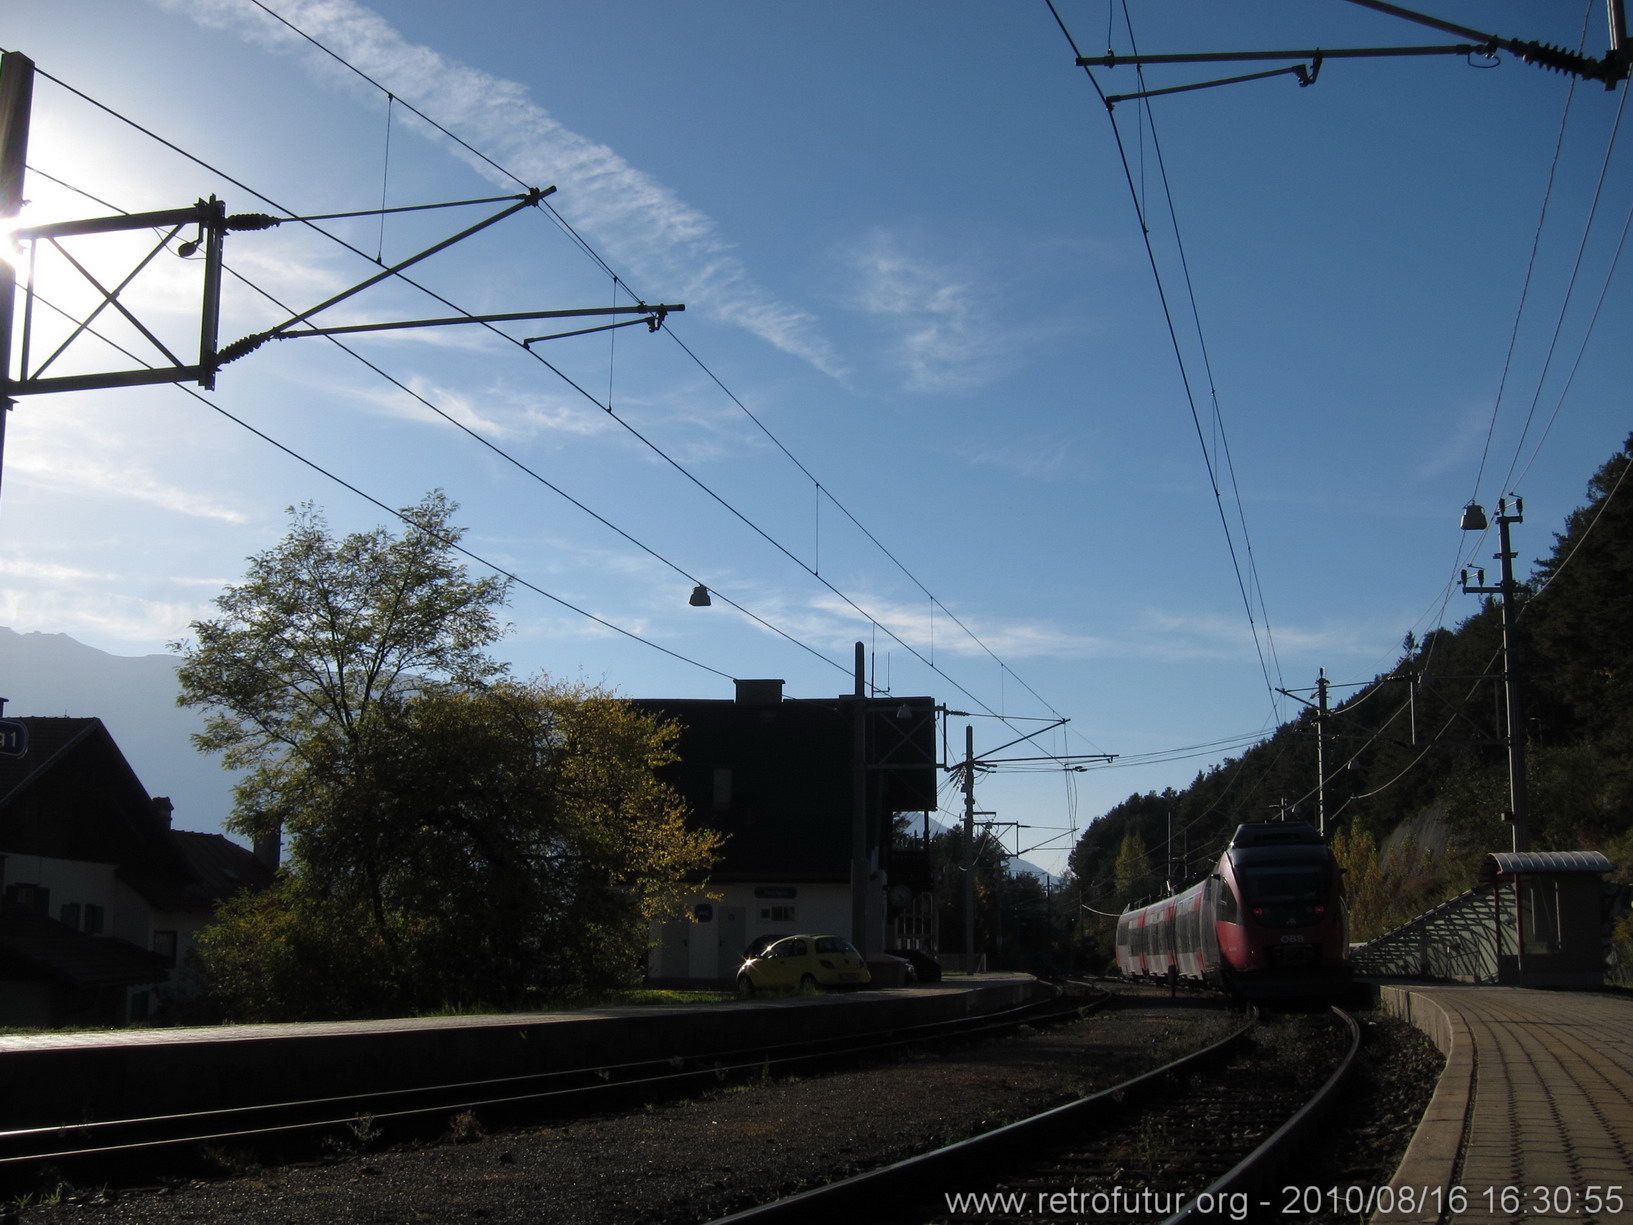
(1280, 917)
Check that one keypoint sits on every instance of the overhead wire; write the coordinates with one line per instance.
(589, 250)
(397, 513)
(1530, 270)
(506, 456)
(1570, 289)
(1223, 439)
(1179, 352)
(961, 688)
(1145, 227)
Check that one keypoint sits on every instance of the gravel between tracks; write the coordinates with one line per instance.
(694, 1160)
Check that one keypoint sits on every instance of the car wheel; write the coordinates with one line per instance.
(745, 988)
(807, 985)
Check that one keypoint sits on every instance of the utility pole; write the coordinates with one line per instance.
(859, 808)
(1168, 852)
(969, 849)
(1474, 520)
(16, 103)
(1321, 752)
(1321, 713)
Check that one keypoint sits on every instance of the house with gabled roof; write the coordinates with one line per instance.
(102, 899)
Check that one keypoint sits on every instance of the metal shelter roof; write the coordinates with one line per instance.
(1556, 863)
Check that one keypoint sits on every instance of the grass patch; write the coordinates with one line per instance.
(662, 995)
(637, 996)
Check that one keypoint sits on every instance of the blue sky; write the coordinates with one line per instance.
(907, 245)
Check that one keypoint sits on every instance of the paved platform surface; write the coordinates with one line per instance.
(1532, 1119)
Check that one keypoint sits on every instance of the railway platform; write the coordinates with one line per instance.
(49, 1080)
(1532, 1119)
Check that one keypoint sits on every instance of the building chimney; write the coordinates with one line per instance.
(162, 808)
(269, 849)
(759, 693)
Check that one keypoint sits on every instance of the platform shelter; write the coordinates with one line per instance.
(1547, 920)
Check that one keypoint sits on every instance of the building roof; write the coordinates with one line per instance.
(1528, 863)
(220, 866)
(75, 797)
(33, 946)
(49, 740)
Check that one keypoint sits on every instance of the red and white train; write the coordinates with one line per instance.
(1269, 921)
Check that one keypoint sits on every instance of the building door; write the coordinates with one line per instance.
(733, 938)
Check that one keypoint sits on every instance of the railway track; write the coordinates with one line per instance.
(1203, 1138)
(121, 1150)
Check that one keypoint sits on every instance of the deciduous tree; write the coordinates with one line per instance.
(456, 838)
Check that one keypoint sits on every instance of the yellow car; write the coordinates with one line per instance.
(803, 963)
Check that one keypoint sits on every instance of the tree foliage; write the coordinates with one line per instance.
(456, 838)
(322, 631)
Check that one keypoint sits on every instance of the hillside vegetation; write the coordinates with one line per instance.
(1417, 773)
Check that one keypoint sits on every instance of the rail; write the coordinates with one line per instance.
(1005, 1153)
(105, 1144)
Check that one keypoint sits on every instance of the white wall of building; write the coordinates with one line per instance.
(725, 918)
(76, 886)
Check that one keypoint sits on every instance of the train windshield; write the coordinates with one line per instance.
(1284, 884)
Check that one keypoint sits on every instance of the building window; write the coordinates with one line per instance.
(164, 944)
(93, 919)
(776, 914)
(722, 788)
(28, 899)
(70, 914)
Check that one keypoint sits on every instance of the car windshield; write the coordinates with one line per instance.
(833, 944)
(1284, 884)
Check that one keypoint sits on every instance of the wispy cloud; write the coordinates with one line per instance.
(1183, 636)
(637, 222)
(1458, 450)
(494, 413)
(827, 620)
(73, 455)
(1034, 457)
(89, 603)
(26, 569)
(111, 616)
(942, 338)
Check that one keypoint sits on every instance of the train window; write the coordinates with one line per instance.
(1228, 912)
(1187, 931)
(1301, 884)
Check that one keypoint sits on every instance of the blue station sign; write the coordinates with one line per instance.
(13, 738)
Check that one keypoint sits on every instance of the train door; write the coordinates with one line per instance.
(733, 938)
(1208, 933)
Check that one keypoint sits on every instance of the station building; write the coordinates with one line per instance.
(788, 782)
